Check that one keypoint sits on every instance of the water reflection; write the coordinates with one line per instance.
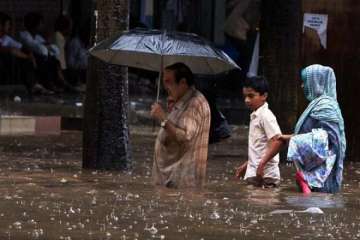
(316, 200)
(62, 201)
(265, 196)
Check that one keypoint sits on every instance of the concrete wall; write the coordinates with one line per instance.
(286, 50)
(342, 54)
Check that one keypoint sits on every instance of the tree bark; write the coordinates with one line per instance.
(106, 142)
(280, 46)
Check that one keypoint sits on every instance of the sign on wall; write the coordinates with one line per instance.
(317, 22)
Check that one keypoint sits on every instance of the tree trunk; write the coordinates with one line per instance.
(280, 46)
(105, 132)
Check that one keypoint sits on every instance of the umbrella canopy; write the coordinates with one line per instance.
(151, 50)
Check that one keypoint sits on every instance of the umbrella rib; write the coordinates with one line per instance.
(161, 67)
(207, 62)
(113, 56)
(138, 43)
(134, 51)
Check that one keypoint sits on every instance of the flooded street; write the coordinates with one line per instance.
(45, 194)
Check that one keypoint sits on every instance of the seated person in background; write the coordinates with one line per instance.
(63, 27)
(46, 55)
(77, 56)
(20, 62)
(262, 167)
(31, 38)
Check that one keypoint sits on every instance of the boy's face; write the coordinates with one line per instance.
(253, 99)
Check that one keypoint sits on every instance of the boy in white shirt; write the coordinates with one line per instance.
(262, 167)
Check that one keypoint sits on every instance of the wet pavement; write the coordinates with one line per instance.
(44, 194)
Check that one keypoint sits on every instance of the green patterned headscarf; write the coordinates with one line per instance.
(319, 81)
(320, 89)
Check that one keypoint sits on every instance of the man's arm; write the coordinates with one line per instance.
(159, 114)
(172, 130)
(285, 137)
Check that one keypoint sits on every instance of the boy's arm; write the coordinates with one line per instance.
(240, 171)
(285, 137)
(274, 145)
(273, 148)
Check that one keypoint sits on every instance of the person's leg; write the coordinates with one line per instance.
(271, 182)
(5, 68)
(253, 181)
(72, 76)
(26, 73)
(59, 76)
(43, 72)
(265, 182)
(301, 182)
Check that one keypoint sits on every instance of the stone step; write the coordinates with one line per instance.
(30, 125)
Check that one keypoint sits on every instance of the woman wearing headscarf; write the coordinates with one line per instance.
(318, 145)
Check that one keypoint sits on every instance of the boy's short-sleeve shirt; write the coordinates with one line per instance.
(263, 127)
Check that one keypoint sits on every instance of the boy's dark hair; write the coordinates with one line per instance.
(182, 71)
(258, 83)
(4, 18)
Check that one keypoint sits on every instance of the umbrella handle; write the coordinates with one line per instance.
(157, 95)
(159, 78)
(158, 88)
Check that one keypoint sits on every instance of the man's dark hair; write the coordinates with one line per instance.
(4, 18)
(32, 20)
(182, 71)
(258, 83)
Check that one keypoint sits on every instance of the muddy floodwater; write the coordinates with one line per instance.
(44, 194)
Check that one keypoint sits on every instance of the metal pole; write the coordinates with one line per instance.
(161, 67)
(160, 75)
(159, 79)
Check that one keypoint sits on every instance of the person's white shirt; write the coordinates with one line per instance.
(263, 127)
(7, 41)
(35, 44)
(38, 45)
(76, 54)
(59, 41)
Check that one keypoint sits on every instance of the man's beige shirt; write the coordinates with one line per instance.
(263, 127)
(181, 161)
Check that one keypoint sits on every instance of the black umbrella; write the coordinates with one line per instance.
(154, 49)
